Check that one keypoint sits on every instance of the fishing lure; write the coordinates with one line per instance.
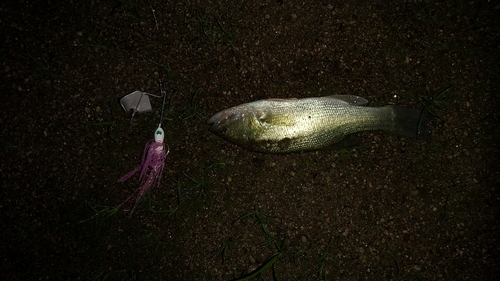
(151, 167)
(152, 161)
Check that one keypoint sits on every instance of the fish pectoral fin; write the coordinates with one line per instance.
(276, 120)
(350, 99)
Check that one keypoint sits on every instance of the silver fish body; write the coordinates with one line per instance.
(290, 125)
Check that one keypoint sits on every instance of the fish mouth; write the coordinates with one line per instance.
(214, 118)
(217, 122)
(222, 116)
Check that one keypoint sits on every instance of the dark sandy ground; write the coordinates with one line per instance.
(387, 208)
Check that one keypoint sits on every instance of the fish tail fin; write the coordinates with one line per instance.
(411, 122)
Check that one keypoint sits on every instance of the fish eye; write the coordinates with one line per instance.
(223, 130)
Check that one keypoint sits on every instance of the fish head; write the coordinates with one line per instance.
(237, 124)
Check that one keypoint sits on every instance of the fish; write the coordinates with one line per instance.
(285, 125)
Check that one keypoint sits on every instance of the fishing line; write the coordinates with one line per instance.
(163, 93)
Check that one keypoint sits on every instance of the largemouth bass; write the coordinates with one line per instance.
(290, 125)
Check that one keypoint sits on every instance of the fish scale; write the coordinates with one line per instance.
(291, 125)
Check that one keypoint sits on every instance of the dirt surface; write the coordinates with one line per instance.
(385, 208)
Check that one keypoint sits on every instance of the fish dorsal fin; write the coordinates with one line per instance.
(350, 99)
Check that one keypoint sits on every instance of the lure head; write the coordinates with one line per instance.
(159, 134)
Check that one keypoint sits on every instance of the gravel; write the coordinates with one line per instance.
(383, 207)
